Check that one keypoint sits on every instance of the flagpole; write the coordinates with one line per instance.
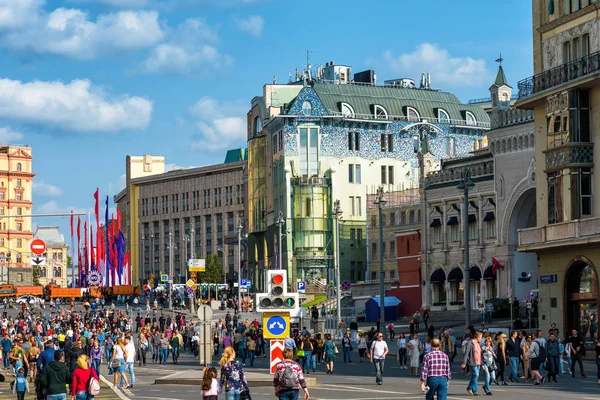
(89, 250)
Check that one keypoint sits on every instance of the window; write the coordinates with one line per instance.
(472, 227)
(19, 183)
(443, 116)
(19, 167)
(470, 118)
(554, 197)
(350, 173)
(437, 234)
(373, 220)
(391, 175)
(354, 173)
(387, 142)
(352, 237)
(354, 141)
(383, 175)
(306, 108)
(19, 211)
(2, 210)
(19, 243)
(352, 209)
(582, 182)
(359, 238)
(412, 114)
(566, 52)
(579, 110)
(380, 112)
(374, 250)
(257, 125)
(358, 205)
(392, 249)
(347, 110)
(2, 242)
(491, 228)
(308, 207)
(19, 226)
(309, 150)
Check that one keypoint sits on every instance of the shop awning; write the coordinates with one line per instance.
(452, 221)
(489, 216)
(435, 223)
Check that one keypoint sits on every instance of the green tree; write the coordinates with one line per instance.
(214, 270)
(69, 261)
(36, 275)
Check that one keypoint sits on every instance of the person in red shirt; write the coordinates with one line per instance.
(81, 379)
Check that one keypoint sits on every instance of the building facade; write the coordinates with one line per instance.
(564, 95)
(55, 270)
(318, 141)
(195, 210)
(16, 176)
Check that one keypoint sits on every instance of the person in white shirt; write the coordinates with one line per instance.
(130, 360)
(379, 350)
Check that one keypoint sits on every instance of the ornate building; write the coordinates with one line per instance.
(55, 270)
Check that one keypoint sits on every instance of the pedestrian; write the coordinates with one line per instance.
(20, 385)
(81, 378)
(211, 387)
(472, 358)
(597, 349)
(362, 346)
(489, 364)
(525, 344)
(74, 353)
(414, 352)
(96, 356)
(426, 317)
(288, 378)
(553, 353)
(577, 352)
(501, 357)
(330, 351)
(307, 347)
(489, 308)
(379, 350)
(435, 374)
(130, 354)
(55, 378)
(402, 348)
(391, 331)
(142, 348)
(347, 348)
(513, 352)
(251, 346)
(482, 313)
(536, 361)
(232, 375)
(567, 356)
(46, 356)
(354, 330)
(342, 328)
(216, 342)
(175, 344)
(118, 362)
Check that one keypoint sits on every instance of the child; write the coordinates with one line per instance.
(20, 385)
(211, 387)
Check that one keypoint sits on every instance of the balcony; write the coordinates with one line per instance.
(569, 155)
(560, 75)
(314, 180)
(564, 234)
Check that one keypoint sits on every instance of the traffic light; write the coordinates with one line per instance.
(277, 297)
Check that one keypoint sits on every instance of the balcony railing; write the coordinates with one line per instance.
(559, 75)
(569, 155)
(568, 233)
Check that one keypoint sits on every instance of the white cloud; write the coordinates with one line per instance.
(444, 69)
(175, 167)
(72, 33)
(43, 189)
(116, 186)
(221, 125)
(53, 207)
(76, 106)
(8, 135)
(253, 25)
(190, 49)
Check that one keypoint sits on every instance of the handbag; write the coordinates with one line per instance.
(300, 353)
(245, 395)
(335, 349)
(116, 363)
(93, 387)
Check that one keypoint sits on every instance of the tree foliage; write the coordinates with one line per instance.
(214, 270)
(36, 275)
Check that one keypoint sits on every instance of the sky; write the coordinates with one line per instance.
(86, 82)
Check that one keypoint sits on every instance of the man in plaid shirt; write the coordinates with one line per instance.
(436, 372)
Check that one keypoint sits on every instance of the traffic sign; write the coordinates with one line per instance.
(38, 246)
(301, 286)
(243, 282)
(164, 278)
(276, 350)
(346, 285)
(276, 325)
(190, 291)
(190, 283)
(197, 265)
(38, 261)
(205, 313)
(170, 278)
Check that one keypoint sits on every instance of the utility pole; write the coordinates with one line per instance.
(381, 201)
(338, 299)
(171, 273)
(464, 185)
(280, 223)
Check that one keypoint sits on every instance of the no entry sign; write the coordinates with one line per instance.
(38, 247)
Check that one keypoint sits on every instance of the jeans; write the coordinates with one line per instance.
(347, 354)
(514, 366)
(598, 366)
(6, 360)
(437, 385)
(354, 333)
(129, 368)
(489, 318)
(83, 395)
(163, 355)
(60, 396)
(175, 353)
(474, 376)
(96, 366)
(107, 356)
(306, 361)
(251, 356)
(291, 394)
(489, 377)
(402, 357)
(379, 364)
(243, 354)
(232, 394)
(553, 365)
(314, 361)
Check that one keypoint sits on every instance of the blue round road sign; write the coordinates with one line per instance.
(346, 285)
(276, 325)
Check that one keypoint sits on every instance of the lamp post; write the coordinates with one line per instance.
(337, 210)
(171, 273)
(380, 201)
(239, 249)
(280, 222)
(153, 271)
(464, 185)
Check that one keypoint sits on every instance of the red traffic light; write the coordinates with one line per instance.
(277, 279)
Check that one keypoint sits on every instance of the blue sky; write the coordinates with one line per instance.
(86, 82)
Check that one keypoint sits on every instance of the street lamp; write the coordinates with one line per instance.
(380, 201)
(153, 271)
(280, 222)
(337, 210)
(171, 272)
(464, 185)
(239, 249)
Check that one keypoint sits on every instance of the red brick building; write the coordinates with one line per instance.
(408, 258)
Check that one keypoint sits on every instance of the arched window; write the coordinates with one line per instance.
(19, 167)
(347, 110)
(306, 108)
(42, 272)
(380, 112)
(471, 121)
(443, 116)
(412, 114)
(59, 272)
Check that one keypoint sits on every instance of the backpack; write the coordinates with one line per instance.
(94, 386)
(289, 378)
(542, 351)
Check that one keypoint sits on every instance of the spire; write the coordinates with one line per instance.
(500, 77)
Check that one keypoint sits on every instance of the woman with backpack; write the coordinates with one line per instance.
(82, 385)
(288, 378)
(232, 375)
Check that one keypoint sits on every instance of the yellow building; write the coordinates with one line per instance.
(565, 96)
(55, 270)
(16, 178)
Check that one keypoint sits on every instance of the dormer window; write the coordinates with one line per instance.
(412, 114)
(470, 118)
(379, 112)
(443, 116)
(306, 108)
(347, 110)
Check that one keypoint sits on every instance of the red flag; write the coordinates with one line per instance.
(118, 218)
(96, 207)
(72, 231)
(85, 244)
(496, 266)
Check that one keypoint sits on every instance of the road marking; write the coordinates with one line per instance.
(352, 389)
(116, 390)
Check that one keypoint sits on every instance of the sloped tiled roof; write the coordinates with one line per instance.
(50, 235)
